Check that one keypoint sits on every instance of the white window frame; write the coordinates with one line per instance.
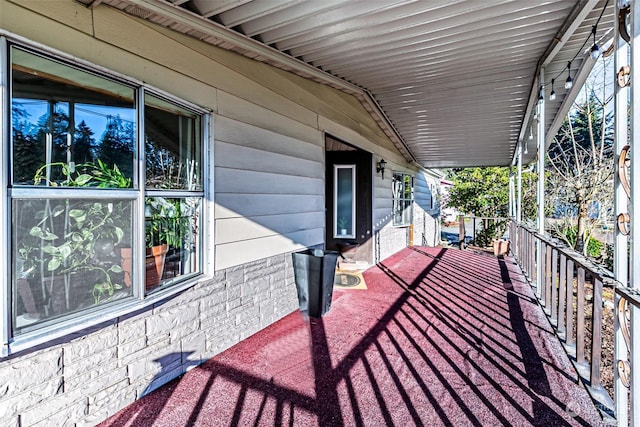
(76, 322)
(396, 200)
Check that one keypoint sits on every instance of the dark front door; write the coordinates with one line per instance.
(349, 199)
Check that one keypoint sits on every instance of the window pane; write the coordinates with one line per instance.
(67, 257)
(344, 201)
(172, 146)
(171, 235)
(402, 189)
(67, 119)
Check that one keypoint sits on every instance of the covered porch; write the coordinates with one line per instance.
(439, 337)
(455, 84)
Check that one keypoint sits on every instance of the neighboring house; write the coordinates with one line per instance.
(225, 163)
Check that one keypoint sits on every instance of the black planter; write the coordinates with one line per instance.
(314, 272)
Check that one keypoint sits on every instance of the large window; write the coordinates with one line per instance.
(402, 187)
(88, 192)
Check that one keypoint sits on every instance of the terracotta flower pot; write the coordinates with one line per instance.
(501, 247)
(126, 264)
(155, 265)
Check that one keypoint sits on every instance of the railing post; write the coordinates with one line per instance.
(541, 155)
(621, 257)
(635, 213)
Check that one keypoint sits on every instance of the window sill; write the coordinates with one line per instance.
(77, 327)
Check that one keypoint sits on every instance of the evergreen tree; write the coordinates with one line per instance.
(83, 147)
(117, 145)
(27, 153)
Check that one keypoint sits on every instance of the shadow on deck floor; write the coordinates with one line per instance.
(441, 337)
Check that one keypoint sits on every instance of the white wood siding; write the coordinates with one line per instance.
(268, 124)
(426, 218)
(269, 193)
(422, 192)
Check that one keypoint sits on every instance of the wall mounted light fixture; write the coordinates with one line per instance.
(380, 167)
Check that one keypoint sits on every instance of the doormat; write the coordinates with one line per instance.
(351, 280)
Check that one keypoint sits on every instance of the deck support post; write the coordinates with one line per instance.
(541, 156)
(621, 206)
(634, 351)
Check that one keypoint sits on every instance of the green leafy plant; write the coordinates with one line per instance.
(91, 174)
(70, 234)
(165, 223)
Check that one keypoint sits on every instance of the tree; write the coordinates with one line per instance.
(580, 169)
(27, 151)
(484, 192)
(117, 144)
(83, 147)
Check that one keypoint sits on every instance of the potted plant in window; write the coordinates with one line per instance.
(342, 225)
(163, 231)
(71, 242)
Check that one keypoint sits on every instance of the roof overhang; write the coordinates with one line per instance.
(452, 83)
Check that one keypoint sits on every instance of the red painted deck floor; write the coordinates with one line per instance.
(440, 337)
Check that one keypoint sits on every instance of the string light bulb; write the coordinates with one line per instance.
(541, 94)
(552, 95)
(595, 49)
(623, 4)
(568, 84)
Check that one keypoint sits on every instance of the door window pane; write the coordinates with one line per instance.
(172, 146)
(68, 255)
(345, 206)
(65, 119)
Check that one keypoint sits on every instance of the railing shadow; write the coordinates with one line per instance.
(420, 351)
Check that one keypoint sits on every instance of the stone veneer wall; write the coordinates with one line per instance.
(390, 240)
(426, 230)
(83, 381)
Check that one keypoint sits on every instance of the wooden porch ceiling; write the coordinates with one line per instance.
(452, 82)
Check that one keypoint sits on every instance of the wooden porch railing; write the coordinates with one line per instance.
(571, 291)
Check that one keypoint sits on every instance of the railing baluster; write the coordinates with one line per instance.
(562, 293)
(546, 294)
(580, 318)
(596, 339)
(534, 259)
(554, 286)
(525, 249)
(569, 335)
